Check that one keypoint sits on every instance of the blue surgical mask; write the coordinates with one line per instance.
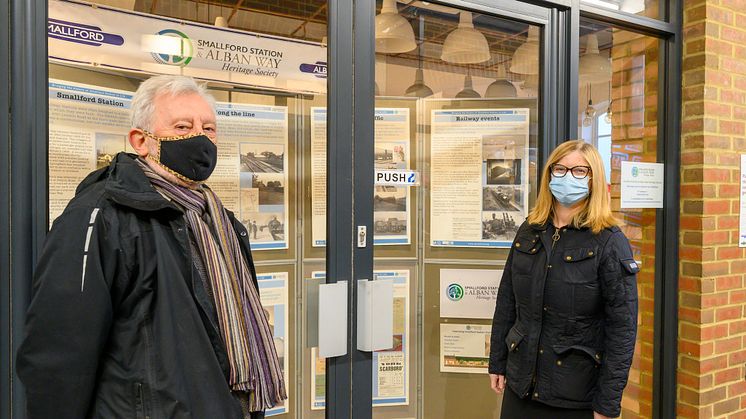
(568, 190)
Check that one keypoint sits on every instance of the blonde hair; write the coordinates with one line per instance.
(596, 210)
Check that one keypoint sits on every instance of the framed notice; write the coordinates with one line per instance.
(391, 203)
(273, 293)
(479, 176)
(464, 348)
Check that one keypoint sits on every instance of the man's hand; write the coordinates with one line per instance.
(597, 415)
(497, 383)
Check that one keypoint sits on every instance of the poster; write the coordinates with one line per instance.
(742, 213)
(88, 126)
(391, 204)
(391, 366)
(273, 293)
(251, 176)
(464, 348)
(642, 185)
(478, 176)
(106, 37)
(469, 293)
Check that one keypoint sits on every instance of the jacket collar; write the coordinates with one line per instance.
(127, 185)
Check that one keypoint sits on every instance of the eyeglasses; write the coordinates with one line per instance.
(578, 172)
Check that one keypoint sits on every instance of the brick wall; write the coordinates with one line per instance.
(712, 328)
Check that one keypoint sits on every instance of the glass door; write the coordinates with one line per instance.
(459, 110)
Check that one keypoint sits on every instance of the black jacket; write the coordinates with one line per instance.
(119, 326)
(566, 317)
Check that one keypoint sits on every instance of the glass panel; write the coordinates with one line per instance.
(265, 64)
(619, 115)
(456, 103)
(648, 8)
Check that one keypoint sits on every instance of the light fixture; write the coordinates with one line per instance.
(220, 22)
(465, 45)
(419, 88)
(609, 113)
(526, 57)
(501, 87)
(593, 67)
(394, 34)
(468, 92)
(590, 111)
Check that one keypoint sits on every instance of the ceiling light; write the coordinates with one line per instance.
(419, 88)
(468, 92)
(465, 45)
(593, 67)
(220, 22)
(501, 87)
(526, 57)
(394, 34)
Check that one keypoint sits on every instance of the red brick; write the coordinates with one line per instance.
(727, 313)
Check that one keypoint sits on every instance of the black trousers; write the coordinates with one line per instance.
(514, 407)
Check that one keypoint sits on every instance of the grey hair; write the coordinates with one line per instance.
(143, 102)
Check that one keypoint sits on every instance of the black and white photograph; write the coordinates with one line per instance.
(390, 156)
(503, 171)
(262, 158)
(264, 226)
(500, 225)
(387, 223)
(502, 198)
(390, 198)
(502, 147)
(271, 188)
(107, 146)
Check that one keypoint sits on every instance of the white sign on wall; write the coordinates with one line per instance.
(742, 217)
(642, 185)
(122, 39)
(469, 293)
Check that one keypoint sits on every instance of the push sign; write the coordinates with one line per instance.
(397, 177)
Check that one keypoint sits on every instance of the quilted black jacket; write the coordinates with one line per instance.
(565, 322)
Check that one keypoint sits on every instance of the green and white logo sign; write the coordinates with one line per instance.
(455, 292)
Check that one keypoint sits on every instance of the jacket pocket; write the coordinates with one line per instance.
(526, 249)
(142, 410)
(580, 265)
(575, 372)
(513, 341)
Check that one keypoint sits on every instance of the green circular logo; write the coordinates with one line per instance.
(455, 292)
(182, 58)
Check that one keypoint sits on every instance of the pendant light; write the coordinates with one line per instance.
(465, 45)
(419, 88)
(526, 57)
(609, 113)
(501, 87)
(590, 111)
(394, 34)
(593, 67)
(468, 92)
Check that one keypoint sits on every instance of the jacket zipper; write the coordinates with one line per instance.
(555, 239)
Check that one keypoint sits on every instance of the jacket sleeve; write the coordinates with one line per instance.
(503, 320)
(68, 321)
(618, 273)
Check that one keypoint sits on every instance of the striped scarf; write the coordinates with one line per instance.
(254, 366)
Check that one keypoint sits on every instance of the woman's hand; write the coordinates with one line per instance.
(497, 383)
(597, 415)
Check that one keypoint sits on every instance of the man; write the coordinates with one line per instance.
(146, 302)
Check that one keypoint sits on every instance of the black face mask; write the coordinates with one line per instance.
(191, 157)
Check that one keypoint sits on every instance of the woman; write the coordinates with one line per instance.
(564, 328)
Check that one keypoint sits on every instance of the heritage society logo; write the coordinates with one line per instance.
(81, 34)
(635, 171)
(318, 69)
(455, 292)
(182, 59)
